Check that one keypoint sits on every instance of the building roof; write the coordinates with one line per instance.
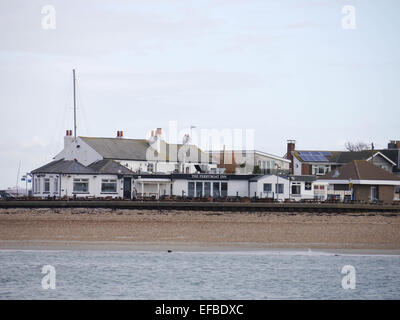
(359, 170)
(109, 166)
(259, 177)
(119, 148)
(330, 156)
(64, 166)
(142, 150)
(340, 157)
(307, 178)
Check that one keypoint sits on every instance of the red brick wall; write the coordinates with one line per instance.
(363, 192)
(386, 193)
(305, 169)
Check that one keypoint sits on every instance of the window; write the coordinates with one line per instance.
(55, 185)
(108, 186)
(191, 189)
(150, 167)
(320, 169)
(224, 189)
(216, 193)
(397, 189)
(199, 189)
(244, 153)
(296, 189)
(267, 187)
(308, 186)
(81, 186)
(46, 185)
(207, 189)
(279, 188)
(188, 153)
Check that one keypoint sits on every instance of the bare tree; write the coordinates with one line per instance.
(359, 146)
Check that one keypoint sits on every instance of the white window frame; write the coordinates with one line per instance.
(109, 181)
(80, 180)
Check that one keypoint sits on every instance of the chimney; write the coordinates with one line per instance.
(291, 145)
(68, 139)
(394, 144)
(155, 139)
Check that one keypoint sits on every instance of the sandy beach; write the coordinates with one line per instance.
(106, 229)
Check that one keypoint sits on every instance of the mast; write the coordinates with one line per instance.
(74, 85)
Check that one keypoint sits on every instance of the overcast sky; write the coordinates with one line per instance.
(286, 69)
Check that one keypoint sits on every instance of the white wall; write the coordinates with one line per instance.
(304, 194)
(241, 186)
(258, 187)
(178, 186)
(67, 181)
(296, 167)
(161, 167)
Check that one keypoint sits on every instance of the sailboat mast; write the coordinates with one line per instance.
(74, 85)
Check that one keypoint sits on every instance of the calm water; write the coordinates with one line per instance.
(205, 275)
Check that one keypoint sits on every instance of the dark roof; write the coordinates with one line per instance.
(343, 157)
(141, 149)
(348, 156)
(359, 170)
(63, 166)
(303, 178)
(392, 154)
(119, 148)
(108, 166)
(332, 157)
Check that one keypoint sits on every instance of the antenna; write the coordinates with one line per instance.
(74, 85)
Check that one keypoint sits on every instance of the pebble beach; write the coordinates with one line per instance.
(108, 229)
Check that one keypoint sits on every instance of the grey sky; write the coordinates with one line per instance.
(286, 69)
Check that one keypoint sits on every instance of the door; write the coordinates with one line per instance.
(127, 188)
(373, 194)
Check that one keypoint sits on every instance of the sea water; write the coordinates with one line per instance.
(196, 275)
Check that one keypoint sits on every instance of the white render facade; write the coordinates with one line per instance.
(149, 158)
(270, 186)
(77, 185)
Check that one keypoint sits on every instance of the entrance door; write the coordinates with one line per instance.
(373, 194)
(127, 188)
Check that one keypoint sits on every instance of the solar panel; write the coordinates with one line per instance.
(314, 156)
